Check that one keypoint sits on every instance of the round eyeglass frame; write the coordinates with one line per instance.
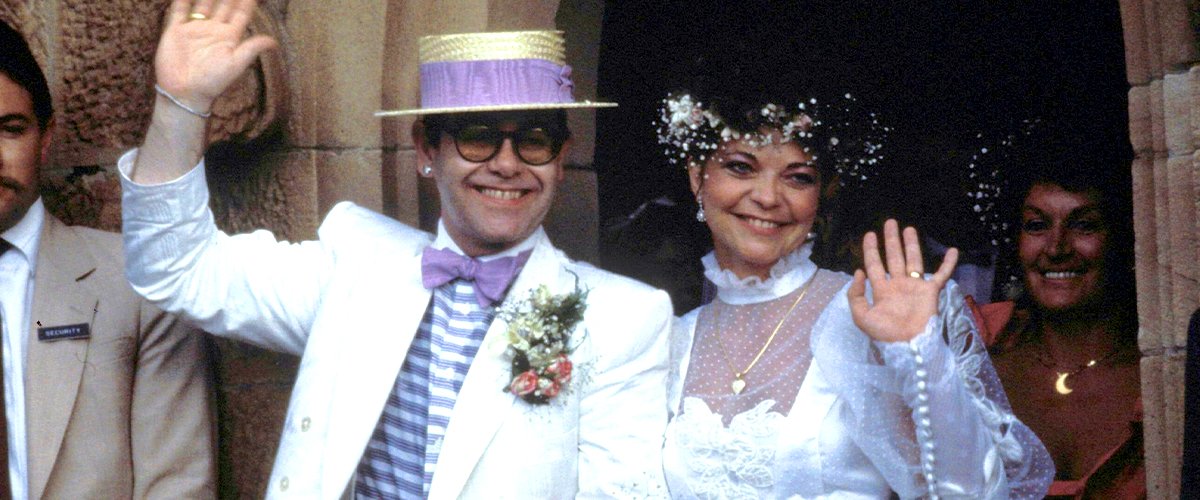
(497, 138)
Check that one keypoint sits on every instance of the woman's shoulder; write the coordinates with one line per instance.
(690, 316)
(684, 328)
(991, 318)
(831, 276)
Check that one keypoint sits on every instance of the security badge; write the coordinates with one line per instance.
(65, 332)
(68, 332)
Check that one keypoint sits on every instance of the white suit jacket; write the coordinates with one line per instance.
(350, 303)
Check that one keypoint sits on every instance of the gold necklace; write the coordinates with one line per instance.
(739, 383)
(1060, 381)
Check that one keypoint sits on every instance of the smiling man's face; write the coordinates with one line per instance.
(489, 206)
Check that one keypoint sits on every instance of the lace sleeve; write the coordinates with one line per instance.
(930, 414)
(1027, 465)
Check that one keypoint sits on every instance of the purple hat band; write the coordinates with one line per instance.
(462, 84)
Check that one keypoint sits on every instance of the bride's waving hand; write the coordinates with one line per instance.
(903, 300)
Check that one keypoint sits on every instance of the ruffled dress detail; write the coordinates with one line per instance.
(859, 419)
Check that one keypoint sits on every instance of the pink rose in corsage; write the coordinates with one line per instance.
(560, 369)
(539, 342)
(524, 383)
(549, 388)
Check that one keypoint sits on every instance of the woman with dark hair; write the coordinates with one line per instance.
(800, 382)
(1066, 348)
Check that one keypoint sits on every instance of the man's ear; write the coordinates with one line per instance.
(46, 140)
(563, 153)
(425, 152)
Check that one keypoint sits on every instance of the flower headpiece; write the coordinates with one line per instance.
(691, 131)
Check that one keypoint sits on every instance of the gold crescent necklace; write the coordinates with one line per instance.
(739, 382)
(1060, 380)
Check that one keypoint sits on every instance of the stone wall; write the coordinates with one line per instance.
(97, 58)
(1164, 128)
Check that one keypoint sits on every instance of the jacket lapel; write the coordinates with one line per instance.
(62, 296)
(384, 313)
(482, 404)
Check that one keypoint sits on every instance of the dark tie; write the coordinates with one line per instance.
(5, 487)
(490, 278)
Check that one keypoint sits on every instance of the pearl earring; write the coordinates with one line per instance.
(427, 170)
(700, 213)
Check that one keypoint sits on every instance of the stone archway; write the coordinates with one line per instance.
(1164, 125)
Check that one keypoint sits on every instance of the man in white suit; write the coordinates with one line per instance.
(411, 384)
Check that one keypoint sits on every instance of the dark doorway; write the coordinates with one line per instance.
(952, 79)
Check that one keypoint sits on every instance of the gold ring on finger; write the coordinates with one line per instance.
(915, 274)
(196, 16)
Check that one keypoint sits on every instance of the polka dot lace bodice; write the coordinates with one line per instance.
(826, 412)
(728, 337)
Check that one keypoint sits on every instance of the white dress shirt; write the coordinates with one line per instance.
(445, 242)
(17, 269)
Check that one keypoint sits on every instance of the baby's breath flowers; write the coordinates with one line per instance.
(539, 342)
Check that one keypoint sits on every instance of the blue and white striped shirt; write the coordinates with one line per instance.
(403, 452)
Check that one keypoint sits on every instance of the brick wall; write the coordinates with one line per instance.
(1164, 116)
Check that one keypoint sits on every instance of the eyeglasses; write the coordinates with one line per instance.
(480, 143)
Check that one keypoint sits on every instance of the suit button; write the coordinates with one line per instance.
(283, 484)
(305, 424)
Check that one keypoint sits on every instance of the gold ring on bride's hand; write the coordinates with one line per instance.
(915, 274)
(196, 16)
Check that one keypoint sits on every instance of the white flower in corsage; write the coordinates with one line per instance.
(539, 342)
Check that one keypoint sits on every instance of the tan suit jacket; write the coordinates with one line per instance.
(126, 413)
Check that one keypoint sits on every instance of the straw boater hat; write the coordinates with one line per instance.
(510, 71)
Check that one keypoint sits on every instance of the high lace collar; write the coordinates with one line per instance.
(784, 277)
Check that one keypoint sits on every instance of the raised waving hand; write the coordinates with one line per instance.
(203, 50)
(903, 299)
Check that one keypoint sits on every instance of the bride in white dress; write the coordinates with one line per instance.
(799, 382)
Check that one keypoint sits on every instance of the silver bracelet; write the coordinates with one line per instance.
(185, 107)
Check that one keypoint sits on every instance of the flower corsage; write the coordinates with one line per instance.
(539, 342)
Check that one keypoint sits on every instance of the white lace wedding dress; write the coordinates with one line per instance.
(828, 413)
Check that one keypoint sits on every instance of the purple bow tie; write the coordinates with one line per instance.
(490, 278)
